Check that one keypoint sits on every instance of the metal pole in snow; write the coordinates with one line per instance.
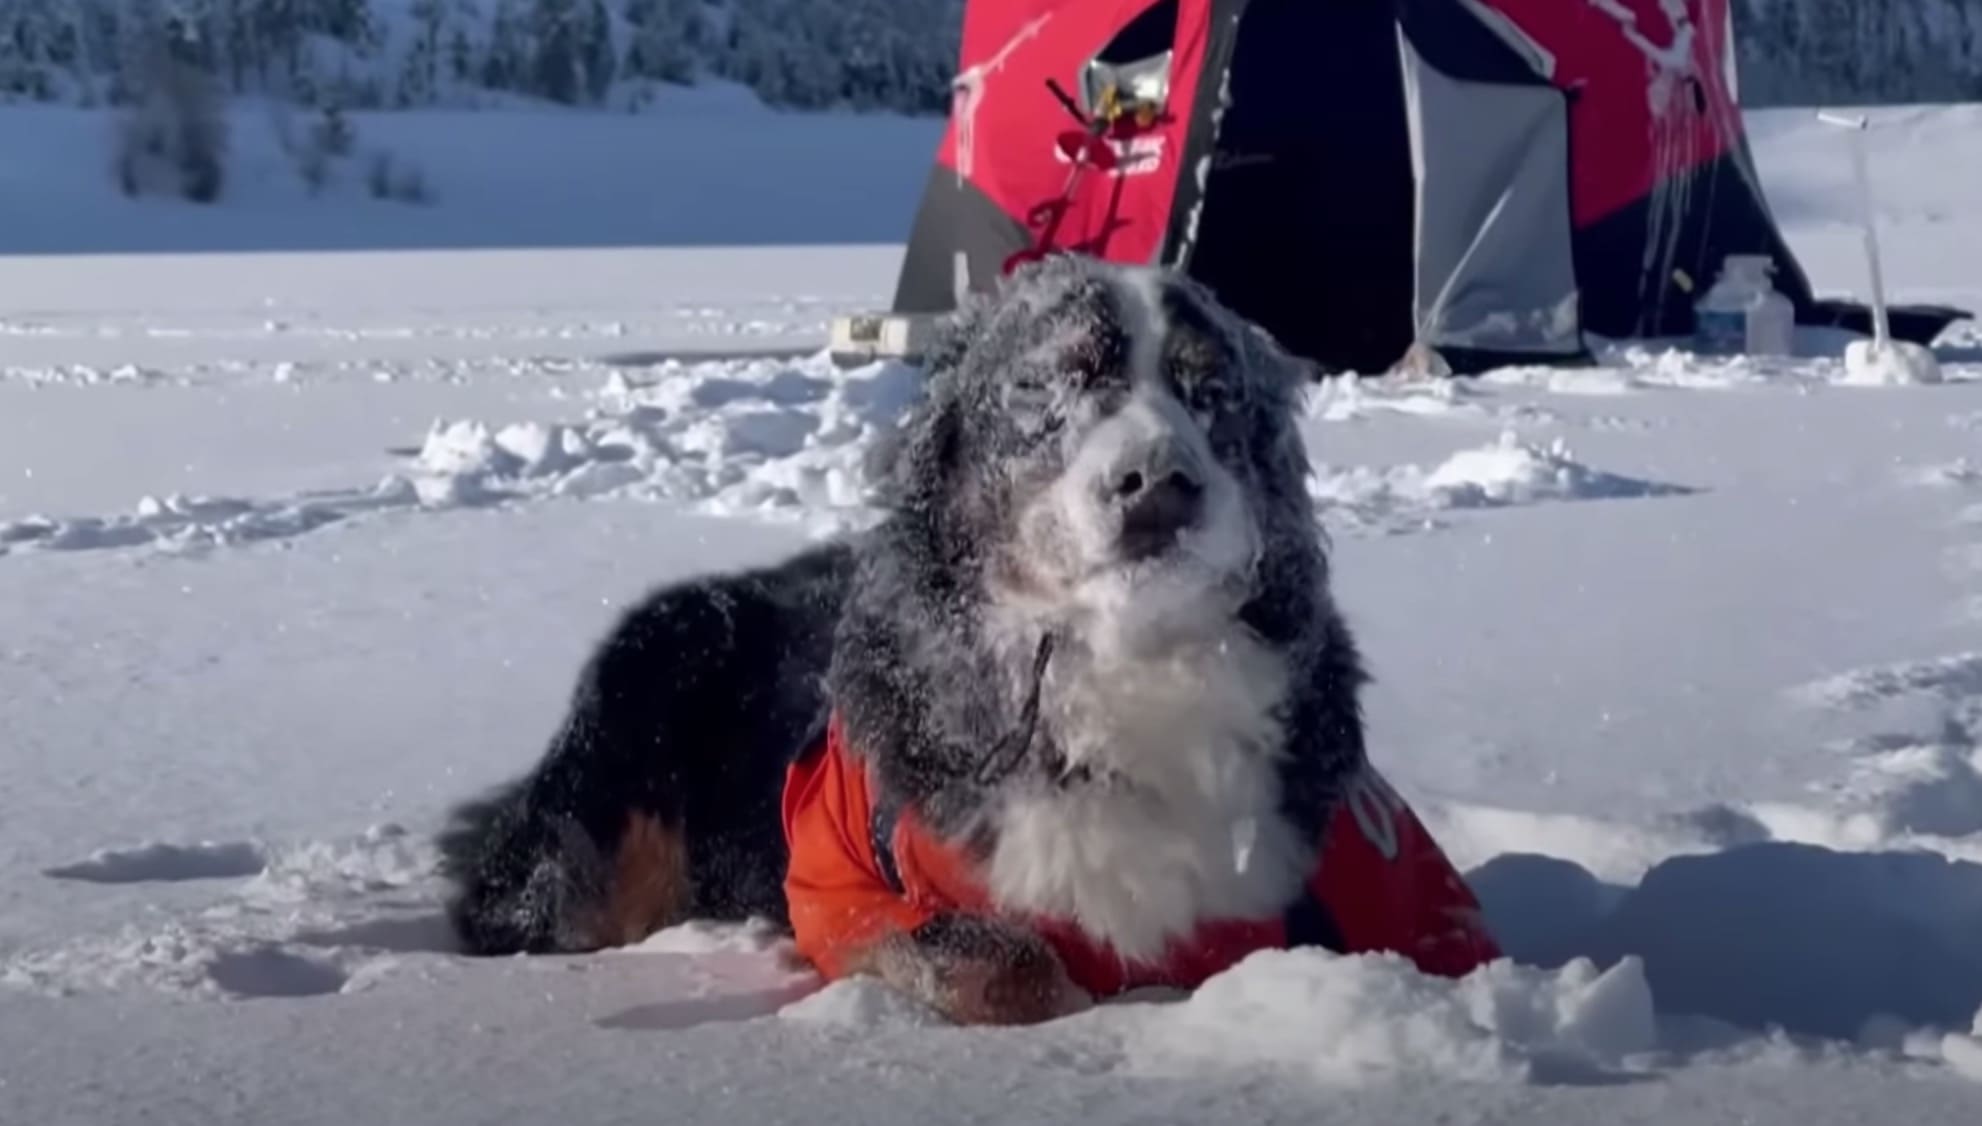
(1431, 319)
(1858, 124)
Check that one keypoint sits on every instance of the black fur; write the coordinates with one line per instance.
(689, 711)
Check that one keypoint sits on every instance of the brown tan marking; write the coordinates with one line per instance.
(649, 887)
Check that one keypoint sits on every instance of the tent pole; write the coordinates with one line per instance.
(1430, 319)
(1858, 124)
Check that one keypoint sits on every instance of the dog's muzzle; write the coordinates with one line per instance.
(1158, 495)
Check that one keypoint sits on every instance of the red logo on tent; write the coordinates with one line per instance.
(1132, 155)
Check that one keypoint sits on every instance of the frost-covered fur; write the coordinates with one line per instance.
(1197, 712)
(1188, 827)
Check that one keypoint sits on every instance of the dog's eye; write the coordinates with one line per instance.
(1094, 358)
(1026, 394)
(1215, 396)
(1029, 403)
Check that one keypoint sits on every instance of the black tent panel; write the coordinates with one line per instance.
(1644, 266)
(1307, 219)
(1473, 42)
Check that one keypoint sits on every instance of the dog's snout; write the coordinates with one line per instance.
(1144, 477)
(1158, 501)
(1162, 484)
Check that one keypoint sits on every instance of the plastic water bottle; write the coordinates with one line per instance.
(1743, 312)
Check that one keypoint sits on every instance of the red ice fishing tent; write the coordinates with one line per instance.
(1492, 179)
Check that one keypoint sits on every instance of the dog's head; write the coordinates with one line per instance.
(1103, 443)
(1107, 455)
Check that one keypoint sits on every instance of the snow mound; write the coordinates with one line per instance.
(756, 936)
(383, 858)
(761, 437)
(1963, 1052)
(1352, 397)
(177, 957)
(182, 523)
(1956, 677)
(1925, 790)
(80, 375)
(1900, 363)
(1513, 473)
(1914, 777)
(1505, 472)
(1821, 359)
(861, 1004)
(785, 440)
(1563, 381)
(1348, 1019)
(1626, 367)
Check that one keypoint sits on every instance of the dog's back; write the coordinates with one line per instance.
(657, 798)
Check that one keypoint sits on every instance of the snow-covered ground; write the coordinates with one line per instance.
(1681, 659)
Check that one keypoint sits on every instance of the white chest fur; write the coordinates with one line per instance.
(1192, 832)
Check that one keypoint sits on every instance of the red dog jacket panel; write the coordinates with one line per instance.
(1381, 884)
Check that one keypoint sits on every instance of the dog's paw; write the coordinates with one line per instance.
(996, 992)
(976, 970)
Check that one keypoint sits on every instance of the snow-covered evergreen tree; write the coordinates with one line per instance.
(1807, 52)
(810, 54)
(552, 30)
(666, 40)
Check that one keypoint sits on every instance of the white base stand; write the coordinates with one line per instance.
(864, 338)
(1897, 362)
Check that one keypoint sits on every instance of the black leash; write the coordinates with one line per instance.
(1010, 751)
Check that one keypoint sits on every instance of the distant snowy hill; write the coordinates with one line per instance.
(705, 166)
(806, 54)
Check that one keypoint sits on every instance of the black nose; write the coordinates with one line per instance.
(1156, 507)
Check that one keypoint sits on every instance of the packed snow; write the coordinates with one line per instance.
(1681, 660)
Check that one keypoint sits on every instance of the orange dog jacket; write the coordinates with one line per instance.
(1381, 884)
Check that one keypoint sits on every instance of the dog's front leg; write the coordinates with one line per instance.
(976, 970)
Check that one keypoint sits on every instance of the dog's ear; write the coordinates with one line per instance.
(956, 332)
(1278, 368)
(905, 455)
(1269, 364)
(905, 462)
